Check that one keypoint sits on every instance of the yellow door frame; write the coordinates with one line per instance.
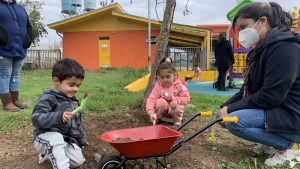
(104, 52)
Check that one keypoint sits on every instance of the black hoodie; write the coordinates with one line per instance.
(47, 117)
(274, 83)
(223, 54)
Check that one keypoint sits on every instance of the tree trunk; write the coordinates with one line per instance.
(161, 47)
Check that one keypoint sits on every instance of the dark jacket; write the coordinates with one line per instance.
(223, 54)
(274, 83)
(47, 116)
(15, 30)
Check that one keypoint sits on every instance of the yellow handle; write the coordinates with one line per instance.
(206, 113)
(233, 119)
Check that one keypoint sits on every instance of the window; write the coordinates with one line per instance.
(103, 38)
(153, 40)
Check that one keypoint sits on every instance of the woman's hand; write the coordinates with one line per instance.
(224, 112)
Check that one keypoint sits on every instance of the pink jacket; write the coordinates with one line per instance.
(176, 91)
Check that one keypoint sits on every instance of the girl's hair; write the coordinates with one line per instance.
(166, 65)
(277, 18)
(222, 37)
(164, 60)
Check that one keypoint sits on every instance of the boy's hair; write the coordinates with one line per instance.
(166, 65)
(67, 68)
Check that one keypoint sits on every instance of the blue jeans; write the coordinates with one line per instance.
(10, 69)
(251, 126)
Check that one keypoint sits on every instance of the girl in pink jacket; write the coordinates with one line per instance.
(168, 97)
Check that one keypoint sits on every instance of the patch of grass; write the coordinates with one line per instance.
(105, 88)
(106, 93)
(9, 121)
(203, 102)
(33, 83)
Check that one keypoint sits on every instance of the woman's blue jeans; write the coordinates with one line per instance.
(10, 69)
(251, 126)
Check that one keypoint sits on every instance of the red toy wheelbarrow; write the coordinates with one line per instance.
(149, 142)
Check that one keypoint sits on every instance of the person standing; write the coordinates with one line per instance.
(224, 58)
(15, 37)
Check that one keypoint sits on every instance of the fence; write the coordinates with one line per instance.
(185, 58)
(41, 59)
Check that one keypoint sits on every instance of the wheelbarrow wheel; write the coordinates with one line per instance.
(111, 162)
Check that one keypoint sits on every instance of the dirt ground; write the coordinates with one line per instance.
(16, 150)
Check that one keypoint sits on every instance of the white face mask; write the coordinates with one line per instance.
(249, 36)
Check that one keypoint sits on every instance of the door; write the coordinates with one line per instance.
(104, 52)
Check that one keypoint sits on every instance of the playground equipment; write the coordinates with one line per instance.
(295, 17)
(149, 142)
(142, 83)
(139, 84)
(241, 4)
(237, 69)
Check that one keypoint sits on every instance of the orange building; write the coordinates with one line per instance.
(216, 29)
(109, 37)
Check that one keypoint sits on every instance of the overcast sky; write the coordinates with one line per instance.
(202, 11)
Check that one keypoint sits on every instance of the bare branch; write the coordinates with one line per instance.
(186, 11)
(156, 4)
(156, 11)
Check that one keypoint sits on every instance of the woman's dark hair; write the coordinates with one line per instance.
(222, 37)
(277, 18)
(166, 65)
(67, 68)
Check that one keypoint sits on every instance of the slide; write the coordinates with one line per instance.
(139, 84)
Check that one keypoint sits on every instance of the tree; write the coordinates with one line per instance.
(33, 9)
(162, 42)
(161, 46)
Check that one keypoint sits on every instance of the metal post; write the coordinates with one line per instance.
(211, 49)
(149, 37)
